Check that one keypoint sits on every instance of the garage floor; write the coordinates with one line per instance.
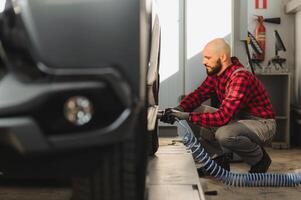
(34, 192)
(283, 160)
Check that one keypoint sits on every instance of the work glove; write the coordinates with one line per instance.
(168, 117)
(179, 114)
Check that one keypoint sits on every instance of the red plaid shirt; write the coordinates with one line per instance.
(240, 93)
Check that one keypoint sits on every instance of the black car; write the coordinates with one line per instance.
(79, 93)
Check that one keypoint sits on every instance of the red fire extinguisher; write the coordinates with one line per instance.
(260, 37)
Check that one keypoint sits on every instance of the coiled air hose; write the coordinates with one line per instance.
(232, 178)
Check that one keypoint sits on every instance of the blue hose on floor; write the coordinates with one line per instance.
(236, 179)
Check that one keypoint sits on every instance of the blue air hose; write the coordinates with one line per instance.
(236, 179)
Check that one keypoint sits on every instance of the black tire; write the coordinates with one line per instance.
(120, 174)
(153, 141)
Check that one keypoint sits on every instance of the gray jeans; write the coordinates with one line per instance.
(244, 137)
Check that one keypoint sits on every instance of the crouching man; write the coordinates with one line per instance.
(244, 121)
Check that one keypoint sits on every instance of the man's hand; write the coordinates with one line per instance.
(167, 117)
(179, 114)
(171, 113)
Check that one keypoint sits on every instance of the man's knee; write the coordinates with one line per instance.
(225, 137)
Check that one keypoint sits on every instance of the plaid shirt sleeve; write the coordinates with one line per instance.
(198, 96)
(237, 92)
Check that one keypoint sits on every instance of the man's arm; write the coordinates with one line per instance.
(238, 91)
(198, 96)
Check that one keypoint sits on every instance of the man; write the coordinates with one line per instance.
(245, 120)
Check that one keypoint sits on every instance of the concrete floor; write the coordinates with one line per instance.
(283, 160)
(34, 193)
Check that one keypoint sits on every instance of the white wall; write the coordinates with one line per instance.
(171, 86)
(205, 20)
(239, 29)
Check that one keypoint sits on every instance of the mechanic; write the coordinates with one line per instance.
(244, 121)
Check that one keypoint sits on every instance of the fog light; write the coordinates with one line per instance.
(78, 110)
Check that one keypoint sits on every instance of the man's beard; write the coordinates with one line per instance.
(216, 69)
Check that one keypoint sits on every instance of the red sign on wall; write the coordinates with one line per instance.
(261, 4)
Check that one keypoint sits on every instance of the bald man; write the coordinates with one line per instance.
(245, 120)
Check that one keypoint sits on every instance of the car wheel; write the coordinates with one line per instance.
(121, 171)
(153, 141)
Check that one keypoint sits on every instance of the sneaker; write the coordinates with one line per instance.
(263, 165)
(222, 160)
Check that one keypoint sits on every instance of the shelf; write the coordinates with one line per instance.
(277, 86)
(281, 117)
(272, 74)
